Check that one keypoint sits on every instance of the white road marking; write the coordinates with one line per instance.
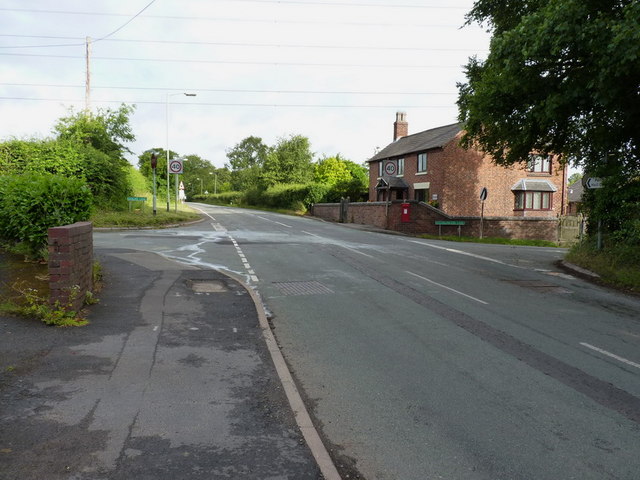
(251, 274)
(273, 221)
(357, 251)
(313, 234)
(609, 354)
(448, 288)
(235, 330)
(460, 252)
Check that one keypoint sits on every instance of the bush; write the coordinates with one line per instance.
(32, 203)
(291, 196)
(107, 178)
(226, 198)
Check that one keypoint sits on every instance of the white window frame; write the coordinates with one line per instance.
(422, 162)
(533, 200)
(539, 164)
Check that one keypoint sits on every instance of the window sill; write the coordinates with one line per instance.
(421, 173)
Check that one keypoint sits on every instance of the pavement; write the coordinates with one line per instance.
(175, 377)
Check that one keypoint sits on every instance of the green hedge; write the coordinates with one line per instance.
(32, 203)
(284, 196)
(293, 196)
(226, 198)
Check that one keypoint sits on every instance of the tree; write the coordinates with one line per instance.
(290, 161)
(246, 160)
(346, 178)
(562, 76)
(574, 177)
(106, 131)
(331, 170)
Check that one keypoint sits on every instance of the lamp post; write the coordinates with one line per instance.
(201, 185)
(167, 132)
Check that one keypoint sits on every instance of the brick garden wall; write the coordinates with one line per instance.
(423, 217)
(70, 263)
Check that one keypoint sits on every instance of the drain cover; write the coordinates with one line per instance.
(207, 286)
(302, 288)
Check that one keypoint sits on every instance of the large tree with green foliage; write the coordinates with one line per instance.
(346, 178)
(246, 160)
(107, 130)
(562, 76)
(290, 161)
(101, 138)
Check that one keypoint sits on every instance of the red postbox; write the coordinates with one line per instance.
(405, 213)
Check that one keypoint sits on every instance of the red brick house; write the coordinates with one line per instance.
(432, 167)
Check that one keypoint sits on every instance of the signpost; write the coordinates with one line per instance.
(459, 223)
(154, 165)
(483, 196)
(390, 167)
(593, 182)
(175, 166)
(136, 199)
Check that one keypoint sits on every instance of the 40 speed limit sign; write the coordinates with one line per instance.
(175, 166)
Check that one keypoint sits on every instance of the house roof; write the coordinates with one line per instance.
(392, 182)
(426, 140)
(528, 185)
(576, 190)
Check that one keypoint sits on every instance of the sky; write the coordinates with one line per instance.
(335, 71)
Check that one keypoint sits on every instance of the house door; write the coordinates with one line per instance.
(421, 194)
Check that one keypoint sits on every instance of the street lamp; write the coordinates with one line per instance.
(167, 131)
(201, 185)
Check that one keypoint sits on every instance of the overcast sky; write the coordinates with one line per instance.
(335, 71)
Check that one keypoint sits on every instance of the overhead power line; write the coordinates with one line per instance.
(126, 23)
(238, 62)
(104, 37)
(345, 4)
(229, 104)
(239, 44)
(228, 90)
(273, 21)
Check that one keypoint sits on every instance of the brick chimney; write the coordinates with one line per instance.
(400, 126)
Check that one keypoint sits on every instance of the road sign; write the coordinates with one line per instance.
(175, 166)
(450, 222)
(593, 182)
(390, 167)
(483, 194)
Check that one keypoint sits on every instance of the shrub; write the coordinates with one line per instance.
(226, 198)
(291, 196)
(32, 203)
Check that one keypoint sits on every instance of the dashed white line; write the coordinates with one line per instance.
(609, 354)
(448, 288)
(273, 221)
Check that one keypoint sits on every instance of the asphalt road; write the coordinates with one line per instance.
(424, 359)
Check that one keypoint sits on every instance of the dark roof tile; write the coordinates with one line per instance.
(418, 142)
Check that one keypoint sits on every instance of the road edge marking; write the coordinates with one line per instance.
(302, 417)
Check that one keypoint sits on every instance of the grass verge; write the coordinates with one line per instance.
(143, 217)
(617, 267)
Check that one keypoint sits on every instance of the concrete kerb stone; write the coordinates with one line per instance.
(301, 414)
